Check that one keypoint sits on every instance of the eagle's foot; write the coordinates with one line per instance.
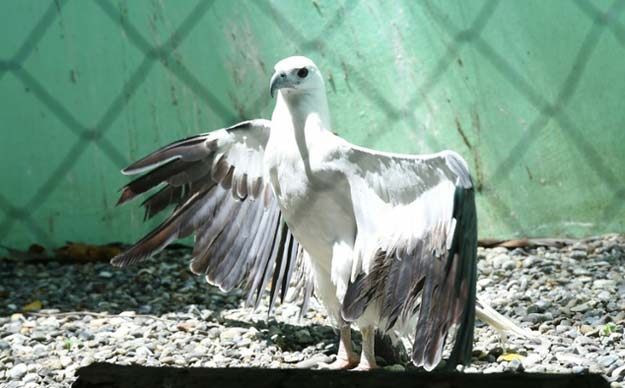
(367, 358)
(364, 365)
(345, 358)
(341, 363)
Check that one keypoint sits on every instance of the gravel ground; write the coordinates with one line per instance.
(158, 313)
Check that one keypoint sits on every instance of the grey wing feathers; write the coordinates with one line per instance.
(303, 281)
(215, 182)
(425, 278)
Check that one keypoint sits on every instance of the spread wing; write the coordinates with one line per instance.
(416, 248)
(215, 180)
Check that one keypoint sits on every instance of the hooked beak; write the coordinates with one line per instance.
(278, 81)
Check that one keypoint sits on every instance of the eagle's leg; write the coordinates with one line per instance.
(345, 358)
(367, 357)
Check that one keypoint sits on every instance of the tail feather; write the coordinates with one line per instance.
(504, 326)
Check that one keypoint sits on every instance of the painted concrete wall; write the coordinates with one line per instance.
(530, 92)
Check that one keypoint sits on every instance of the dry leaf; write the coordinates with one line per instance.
(34, 252)
(186, 326)
(511, 356)
(88, 252)
(33, 306)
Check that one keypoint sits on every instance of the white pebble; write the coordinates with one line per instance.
(18, 371)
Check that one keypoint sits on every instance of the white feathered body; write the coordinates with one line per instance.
(338, 212)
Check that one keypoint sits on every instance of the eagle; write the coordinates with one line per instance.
(387, 241)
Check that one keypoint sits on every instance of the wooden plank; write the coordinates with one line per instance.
(109, 375)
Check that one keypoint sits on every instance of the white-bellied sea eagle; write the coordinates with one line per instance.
(389, 240)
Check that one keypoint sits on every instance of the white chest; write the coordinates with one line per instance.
(287, 175)
(314, 198)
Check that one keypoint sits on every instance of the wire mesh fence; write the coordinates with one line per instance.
(151, 41)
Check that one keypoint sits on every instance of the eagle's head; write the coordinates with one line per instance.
(296, 75)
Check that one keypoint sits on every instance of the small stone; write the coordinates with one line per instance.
(214, 332)
(39, 350)
(313, 361)
(85, 335)
(604, 284)
(483, 283)
(103, 355)
(580, 308)
(572, 333)
(303, 336)
(143, 351)
(4, 345)
(199, 351)
(30, 378)
(538, 307)
(484, 267)
(618, 372)
(293, 357)
(604, 296)
(508, 265)
(38, 336)
(18, 371)
(538, 317)
(105, 274)
(515, 365)
(13, 327)
(581, 246)
(532, 360)
(529, 262)
(167, 360)
(186, 326)
(561, 329)
(588, 330)
(606, 361)
(395, 368)
(493, 369)
(499, 260)
(145, 309)
(571, 359)
(232, 333)
(252, 332)
(50, 323)
(53, 364)
(65, 361)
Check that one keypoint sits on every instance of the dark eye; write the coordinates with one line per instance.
(302, 73)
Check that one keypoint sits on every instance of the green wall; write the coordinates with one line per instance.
(531, 93)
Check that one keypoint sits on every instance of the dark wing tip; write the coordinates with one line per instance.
(250, 123)
(241, 125)
(126, 195)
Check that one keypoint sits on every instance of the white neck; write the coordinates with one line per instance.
(307, 111)
(300, 127)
